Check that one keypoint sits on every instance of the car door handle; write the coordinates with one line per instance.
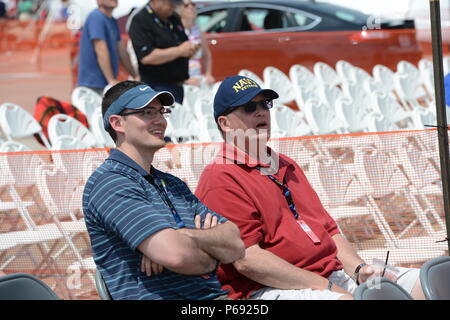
(213, 42)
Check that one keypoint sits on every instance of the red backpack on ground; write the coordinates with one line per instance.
(46, 107)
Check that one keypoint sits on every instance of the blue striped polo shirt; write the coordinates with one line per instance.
(122, 209)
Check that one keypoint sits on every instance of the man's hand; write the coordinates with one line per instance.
(370, 271)
(187, 49)
(149, 267)
(210, 221)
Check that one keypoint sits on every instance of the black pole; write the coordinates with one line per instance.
(441, 112)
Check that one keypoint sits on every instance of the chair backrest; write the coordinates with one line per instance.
(384, 76)
(99, 131)
(62, 124)
(380, 289)
(435, 278)
(253, 76)
(86, 100)
(326, 74)
(17, 123)
(277, 80)
(22, 286)
(100, 284)
(345, 70)
(302, 77)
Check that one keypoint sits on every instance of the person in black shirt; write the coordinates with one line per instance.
(3, 10)
(162, 47)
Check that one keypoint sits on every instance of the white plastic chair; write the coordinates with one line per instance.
(287, 122)
(382, 178)
(208, 130)
(17, 123)
(191, 95)
(253, 76)
(356, 117)
(182, 125)
(379, 123)
(330, 95)
(64, 125)
(340, 190)
(275, 79)
(203, 107)
(303, 94)
(326, 74)
(425, 178)
(427, 73)
(63, 199)
(103, 137)
(387, 106)
(87, 101)
(346, 71)
(322, 118)
(302, 77)
(384, 77)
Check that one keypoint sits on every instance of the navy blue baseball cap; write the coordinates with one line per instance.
(235, 91)
(137, 98)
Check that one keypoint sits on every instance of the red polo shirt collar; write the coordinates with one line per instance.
(229, 152)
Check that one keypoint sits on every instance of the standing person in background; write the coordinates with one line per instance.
(101, 49)
(202, 60)
(2, 10)
(162, 47)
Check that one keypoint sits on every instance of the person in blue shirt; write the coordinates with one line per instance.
(151, 237)
(101, 49)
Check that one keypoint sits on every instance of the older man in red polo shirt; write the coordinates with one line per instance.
(294, 249)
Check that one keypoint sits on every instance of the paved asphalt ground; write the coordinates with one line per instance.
(22, 82)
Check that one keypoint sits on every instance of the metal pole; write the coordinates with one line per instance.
(441, 112)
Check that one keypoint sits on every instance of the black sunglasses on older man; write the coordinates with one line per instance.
(251, 106)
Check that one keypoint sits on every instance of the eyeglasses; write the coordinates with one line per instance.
(251, 106)
(149, 113)
(189, 4)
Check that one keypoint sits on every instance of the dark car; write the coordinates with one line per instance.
(255, 34)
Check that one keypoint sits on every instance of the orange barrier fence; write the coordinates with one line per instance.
(384, 190)
(24, 35)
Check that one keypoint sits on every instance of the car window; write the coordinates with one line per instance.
(263, 19)
(212, 21)
(303, 20)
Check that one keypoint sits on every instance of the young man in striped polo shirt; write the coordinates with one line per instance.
(151, 237)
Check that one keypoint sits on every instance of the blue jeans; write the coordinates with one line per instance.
(175, 89)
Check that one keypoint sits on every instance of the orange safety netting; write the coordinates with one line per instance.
(384, 190)
(26, 35)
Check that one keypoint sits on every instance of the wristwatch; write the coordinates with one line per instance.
(355, 275)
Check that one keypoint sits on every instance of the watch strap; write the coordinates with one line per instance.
(355, 276)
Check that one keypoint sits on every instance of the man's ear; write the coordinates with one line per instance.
(223, 123)
(116, 123)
